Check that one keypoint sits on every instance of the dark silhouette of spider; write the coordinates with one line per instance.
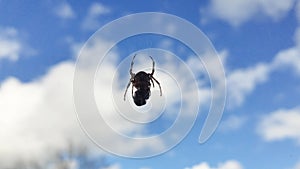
(141, 81)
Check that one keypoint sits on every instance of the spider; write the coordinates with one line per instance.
(141, 81)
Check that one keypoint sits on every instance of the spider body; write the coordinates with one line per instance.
(142, 82)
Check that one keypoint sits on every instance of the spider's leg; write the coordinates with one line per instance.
(131, 65)
(153, 65)
(127, 89)
(132, 91)
(132, 76)
(158, 85)
(152, 82)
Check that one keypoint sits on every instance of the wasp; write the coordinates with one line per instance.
(141, 81)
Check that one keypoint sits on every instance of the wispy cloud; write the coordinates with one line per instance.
(233, 122)
(230, 164)
(12, 44)
(297, 10)
(297, 166)
(242, 82)
(289, 58)
(297, 34)
(92, 19)
(238, 12)
(65, 11)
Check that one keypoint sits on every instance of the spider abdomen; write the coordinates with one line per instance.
(140, 97)
(142, 84)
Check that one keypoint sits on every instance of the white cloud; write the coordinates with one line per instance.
(297, 166)
(242, 82)
(275, 9)
(297, 34)
(98, 9)
(280, 124)
(114, 166)
(289, 58)
(70, 164)
(203, 165)
(297, 10)
(35, 111)
(197, 67)
(39, 116)
(230, 164)
(92, 19)
(233, 122)
(65, 11)
(118, 166)
(237, 12)
(11, 45)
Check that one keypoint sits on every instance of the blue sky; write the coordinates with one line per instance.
(258, 43)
